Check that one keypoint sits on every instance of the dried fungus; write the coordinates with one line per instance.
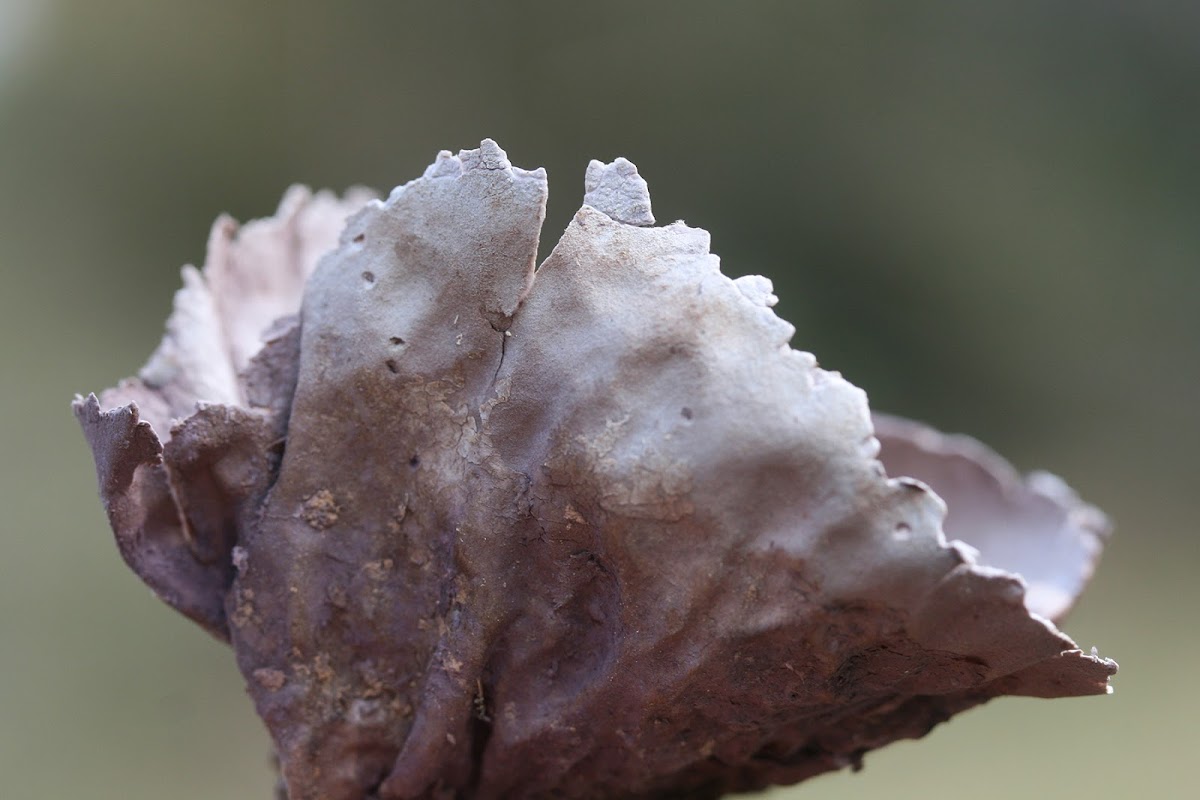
(478, 530)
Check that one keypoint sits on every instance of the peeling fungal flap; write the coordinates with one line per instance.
(598, 532)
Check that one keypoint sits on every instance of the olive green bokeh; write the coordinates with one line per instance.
(984, 214)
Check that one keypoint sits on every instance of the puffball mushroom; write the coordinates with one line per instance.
(480, 530)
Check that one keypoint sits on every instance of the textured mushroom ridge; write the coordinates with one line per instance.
(596, 530)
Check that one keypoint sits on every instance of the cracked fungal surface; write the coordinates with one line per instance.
(595, 531)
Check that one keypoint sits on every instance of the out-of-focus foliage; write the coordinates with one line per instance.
(984, 213)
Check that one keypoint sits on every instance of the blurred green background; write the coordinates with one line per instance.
(983, 213)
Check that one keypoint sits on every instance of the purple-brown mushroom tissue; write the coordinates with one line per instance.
(480, 528)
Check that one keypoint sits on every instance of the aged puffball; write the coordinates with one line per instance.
(596, 530)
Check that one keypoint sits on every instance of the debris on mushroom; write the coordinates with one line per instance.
(478, 528)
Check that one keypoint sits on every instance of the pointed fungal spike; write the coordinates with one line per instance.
(447, 165)
(619, 191)
(757, 289)
(488, 156)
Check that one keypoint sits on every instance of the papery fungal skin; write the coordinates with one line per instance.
(594, 530)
